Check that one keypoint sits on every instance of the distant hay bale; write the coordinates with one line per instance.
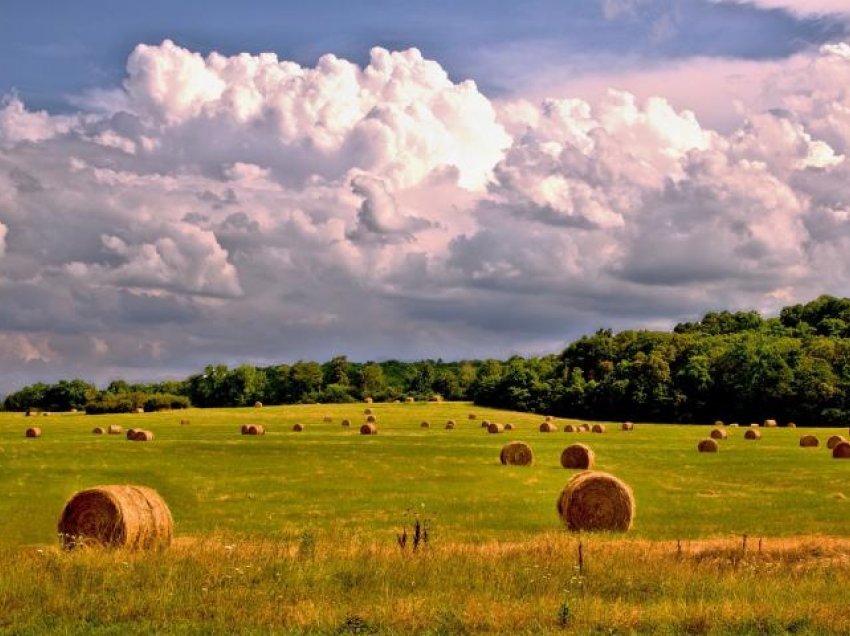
(628, 426)
(752, 434)
(396, 401)
(718, 433)
(516, 454)
(114, 429)
(45, 413)
(184, 422)
(243, 429)
(367, 411)
(719, 423)
(472, 416)
(131, 433)
(584, 428)
(327, 419)
(596, 501)
(142, 436)
(253, 429)
(754, 425)
(549, 418)
(809, 441)
(298, 427)
(116, 516)
(598, 428)
(734, 425)
(139, 409)
(346, 423)
(98, 430)
(577, 456)
(370, 419)
(570, 428)
(841, 450)
(790, 425)
(33, 431)
(833, 441)
(436, 398)
(495, 428)
(73, 411)
(409, 400)
(450, 425)
(258, 405)
(485, 423)
(770, 423)
(369, 429)
(424, 424)
(548, 427)
(368, 400)
(708, 445)
(509, 427)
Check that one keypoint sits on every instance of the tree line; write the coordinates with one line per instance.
(733, 366)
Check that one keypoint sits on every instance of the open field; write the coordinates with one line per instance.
(297, 531)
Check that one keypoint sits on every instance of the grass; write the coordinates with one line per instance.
(296, 532)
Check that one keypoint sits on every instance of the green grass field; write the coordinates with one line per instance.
(296, 532)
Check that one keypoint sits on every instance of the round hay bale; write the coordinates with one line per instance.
(369, 429)
(516, 454)
(548, 427)
(396, 401)
(370, 419)
(367, 411)
(114, 429)
(754, 425)
(346, 423)
(116, 516)
(790, 425)
(258, 405)
(834, 440)
(509, 427)
(45, 413)
(368, 400)
(142, 436)
(131, 433)
(33, 431)
(596, 501)
(73, 411)
(472, 416)
(244, 429)
(752, 434)
(98, 430)
(809, 441)
(708, 445)
(770, 423)
(628, 426)
(549, 418)
(450, 425)
(718, 433)
(841, 450)
(495, 428)
(184, 422)
(424, 424)
(485, 423)
(436, 398)
(584, 428)
(577, 456)
(734, 425)
(256, 429)
(719, 423)
(297, 427)
(569, 428)
(140, 410)
(327, 419)
(598, 428)
(409, 400)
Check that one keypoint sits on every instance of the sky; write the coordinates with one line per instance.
(206, 182)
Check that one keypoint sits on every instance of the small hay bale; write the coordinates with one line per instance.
(841, 450)
(509, 427)
(472, 416)
(370, 419)
(485, 423)
(368, 411)
(833, 441)
(596, 501)
(752, 434)
(719, 423)
(790, 425)
(258, 405)
(809, 441)
(114, 429)
(327, 419)
(516, 454)
(549, 418)
(298, 427)
(754, 425)
(628, 426)
(577, 456)
(708, 445)
(598, 428)
(369, 429)
(495, 428)
(116, 516)
(256, 429)
(770, 423)
(98, 430)
(584, 428)
(185, 422)
(33, 431)
(437, 398)
(734, 425)
(424, 424)
(131, 433)
(346, 423)
(409, 400)
(143, 436)
(569, 428)
(548, 427)
(244, 429)
(719, 433)
(140, 410)
(368, 400)
(450, 425)
(45, 413)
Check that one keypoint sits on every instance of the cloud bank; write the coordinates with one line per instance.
(246, 208)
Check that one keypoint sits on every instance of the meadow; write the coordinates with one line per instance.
(297, 532)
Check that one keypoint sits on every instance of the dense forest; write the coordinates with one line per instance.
(730, 366)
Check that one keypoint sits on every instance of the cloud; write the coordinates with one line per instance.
(246, 208)
(798, 7)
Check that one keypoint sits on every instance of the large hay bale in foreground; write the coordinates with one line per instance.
(548, 427)
(834, 440)
(596, 501)
(570, 428)
(33, 431)
(628, 426)
(142, 436)
(809, 441)
(495, 428)
(369, 429)
(114, 429)
(450, 425)
(516, 454)
(752, 434)
(297, 427)
(577, 456)
(770, 423)
(371, 419)
(346, 423)
(598, 428)
(116, 516)
(719, 433)
(708, 445)
(98, 430)
(841, 450)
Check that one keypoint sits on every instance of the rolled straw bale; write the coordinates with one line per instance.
(809, 441)
(114, 429)
(98, 430)
(131, 432)
(409, 400)
(45, 413)
(719, 423)
(485, 423)
(368, 400)
(143, 436)
(596, 501)
(628, 426)
(734, 425)
(548, 427)
(256, 429)
(472, 416)
(790, 425)
(297, 427)
(718, 433)
(708, 445)
(369, 429)
(598, 428)
(424, 424)
(244, 429)
(495, 428)
(569, 428)
(834, 440)
(116, 516)
(752, 434)
(140, 410)
(754, 425)
(33, 431)
(509, 427)
(258, 405)
(184, 422)
(450, 425)
(584, 428)
(370, 419)
(327, 419)
(367, 412)
(346, 423)
(770, 423)
(577, 456)
(841, 450)
(549, 418)
(516, 454)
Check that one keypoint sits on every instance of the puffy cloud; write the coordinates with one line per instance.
(799, 7)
